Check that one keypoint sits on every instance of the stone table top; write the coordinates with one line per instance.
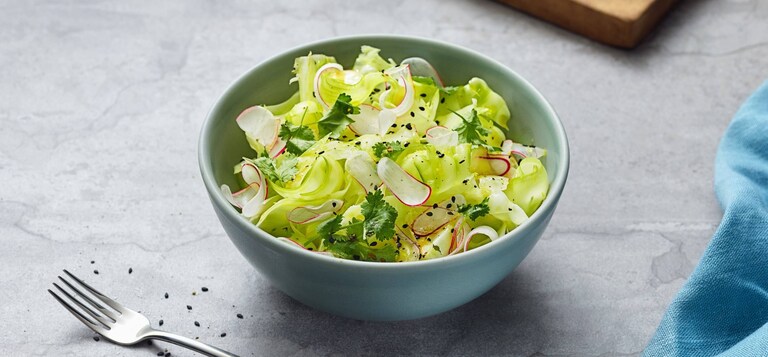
(100, 112)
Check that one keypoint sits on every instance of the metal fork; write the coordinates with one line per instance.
(120, 324)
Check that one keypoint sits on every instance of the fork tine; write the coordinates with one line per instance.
(112, 303)
(92, 325)
(85, 297)
(82, 306)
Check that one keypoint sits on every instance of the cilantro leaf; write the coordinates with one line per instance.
(328, 228)
(280, 172)
(475, 211)
(298, 139)
(379, 216)
(471, 130)
(388, 149)
(338, 118)
(359, 250)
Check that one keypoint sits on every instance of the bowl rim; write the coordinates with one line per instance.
(206, 170)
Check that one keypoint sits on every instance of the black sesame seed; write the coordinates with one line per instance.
(373, 244)
(357, 143)
(394, 125)
(437, 122)
(204, 289)
(465, 181)
(453, 199)
(322, 152)
(434, 205)
(96, 272)
(93, 261)
(160, 353)
(130, 270)
(413, 114)
(461, 162)
(429, 214)
(96, 338)
(197, 324)
(239, 316)
(423, 95)
(421, 108)
(399, 244)
(333, 204)
(405, 225)
(406, 144)
(189, 307)
(409, 126)
(167, 354)
(166, 295)
(448, 205)
(450, 213)
(223, 334)
(160, 322)
(442, 100)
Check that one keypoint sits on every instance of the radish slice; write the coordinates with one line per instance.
(308, 214)
(403, 76)
(457, 236)
(442, 136)
(484, 230)
(363, 170)
(298, 245)
(259, 124)
(320, 72)
(240, 198)
(489, 164)
(277, 149)
(407, 189)
(371, 120)
(420, 67)
(509, 147)
(251, 174)
(416, 251)
(431, 220)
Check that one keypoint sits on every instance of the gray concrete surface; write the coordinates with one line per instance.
(100, 107)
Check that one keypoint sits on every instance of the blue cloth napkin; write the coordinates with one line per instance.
(723, 307)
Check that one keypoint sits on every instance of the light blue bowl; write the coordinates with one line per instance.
(370, 290)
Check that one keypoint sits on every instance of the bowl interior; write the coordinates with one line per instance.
(533, 121)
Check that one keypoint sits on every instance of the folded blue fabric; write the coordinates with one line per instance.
(723, 307)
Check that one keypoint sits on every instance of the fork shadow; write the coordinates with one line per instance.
(511, 314)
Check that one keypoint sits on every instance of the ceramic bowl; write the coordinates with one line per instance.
(372, 290)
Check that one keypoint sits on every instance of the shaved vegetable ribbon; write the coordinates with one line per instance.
(412, 169)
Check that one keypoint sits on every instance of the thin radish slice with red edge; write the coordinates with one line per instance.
(485, 163)
(457, 235)
(251, 174)
(387, 117)
(318, 79)
(298, 245)
(421, 67)
(404, 236)
(484, 230)
(431, 220)
(407, 189)
(510, 147)
(367, 121)
(309, 214)
(277, 149)
(260, 124)
(254, 206)
(362, 168)
(402, 74)
(442, 136)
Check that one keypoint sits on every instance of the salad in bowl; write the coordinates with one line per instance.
(382, 161)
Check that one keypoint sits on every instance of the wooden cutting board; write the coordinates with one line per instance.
(621, 23)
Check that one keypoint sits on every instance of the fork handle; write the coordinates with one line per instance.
(194, 345)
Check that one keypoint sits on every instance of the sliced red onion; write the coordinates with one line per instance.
(441, 136)
(318, 77)
(362, 168)
(431, 220)
(407, 189)
(260, 124)
(309, 214)
(402, 74)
